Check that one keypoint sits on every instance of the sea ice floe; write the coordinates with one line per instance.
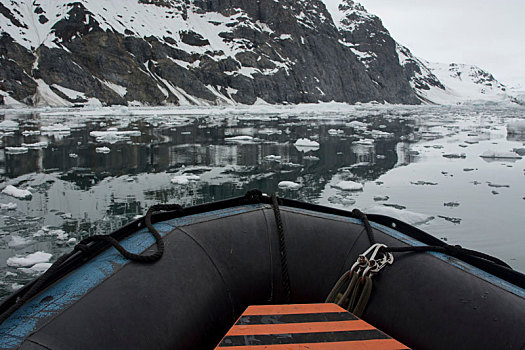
(334, 132)
(17, 241)
(29, 260)
(55, 128)
(306, 145)
(103, 150)
(113, 135)
(8, 206)
(500, 155)
(357, 125)
(36, 145)
(366, 142)
(184, 179)
(240, 138)
(407, 216)
(16, 286)
(272, 157)
(348, 186)
(36, 269)
(16, 150)
(341, 200)
(289, 185)
(11, 190)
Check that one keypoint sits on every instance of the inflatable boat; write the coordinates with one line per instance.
(180, 278)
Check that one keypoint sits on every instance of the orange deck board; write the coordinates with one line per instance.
(304, 326)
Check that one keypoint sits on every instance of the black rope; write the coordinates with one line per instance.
(84, 248)
(452, 250)
(362, 216)
(282, 247)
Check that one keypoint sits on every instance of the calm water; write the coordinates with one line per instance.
(91, 171)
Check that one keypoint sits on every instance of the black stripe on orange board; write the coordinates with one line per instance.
(296, 318)
(300, 338)
(291, 309)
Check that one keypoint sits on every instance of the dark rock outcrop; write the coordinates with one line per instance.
(286, 51)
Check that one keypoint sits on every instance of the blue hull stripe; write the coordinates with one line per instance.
(75, 285)
(447, 258)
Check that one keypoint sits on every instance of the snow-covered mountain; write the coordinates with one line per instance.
(433, 83)
(205, 52)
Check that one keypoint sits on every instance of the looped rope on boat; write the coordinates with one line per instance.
(353, 293)
(127, 254)
(83, 248)
(282, 247)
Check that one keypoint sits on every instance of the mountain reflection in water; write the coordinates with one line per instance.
(93, 173)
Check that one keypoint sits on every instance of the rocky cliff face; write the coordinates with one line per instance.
(202, 52)
(371, 42)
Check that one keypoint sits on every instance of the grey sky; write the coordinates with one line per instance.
(487, 33)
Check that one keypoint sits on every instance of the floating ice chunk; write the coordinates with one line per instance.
(104, 150)
(516, 127)
(36, 269)
(500, 155)
(341, 200)
(29, 260)
(8, 206)
(272, 157)
(73, 155)
(357, 124)
(313, 158)
(16, 286)
(56, 128)
(16, 150)
(367, 142)
(335, 132)
(113, 135)
(289, 185)
(240, 138)
(36, 145)
(61, 234)
(30, 132)
(71, 241)
(407, 216)
(306, 143)
(348, 186)
(8, 125)
(17, 241)
(184, 179)
(378, 134)
(17, 193)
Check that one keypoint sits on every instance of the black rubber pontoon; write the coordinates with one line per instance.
(222, 257)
